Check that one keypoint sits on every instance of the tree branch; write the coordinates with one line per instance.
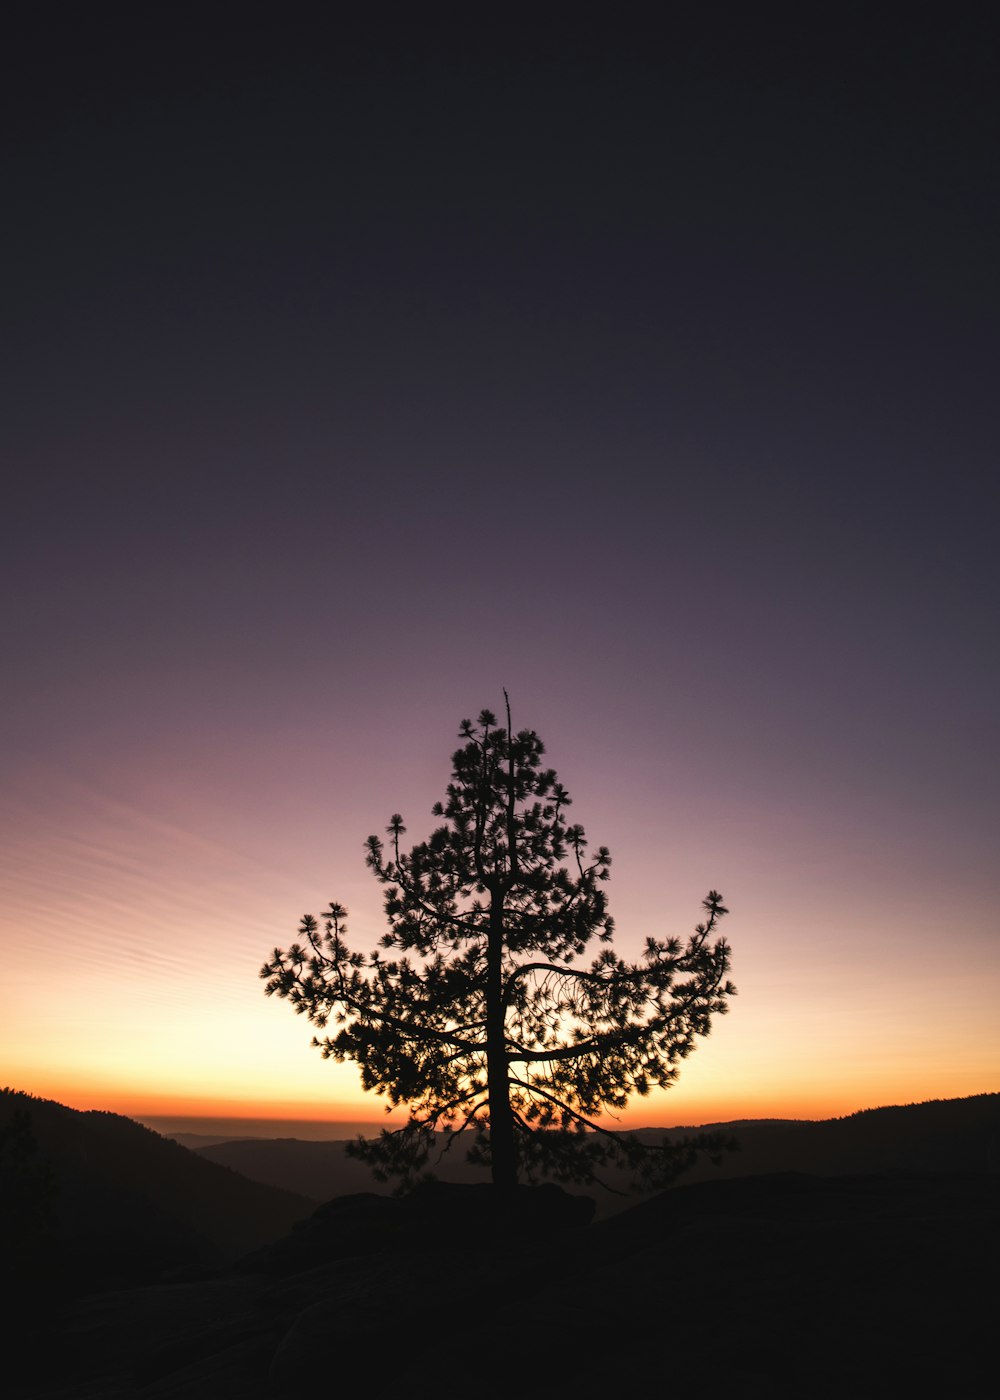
(630, 1036)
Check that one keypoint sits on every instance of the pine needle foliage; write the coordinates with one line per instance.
(480, 1011)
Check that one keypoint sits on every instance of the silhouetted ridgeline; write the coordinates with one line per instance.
(319, 1170)
(118, 1203)
(942, 1136)
(195, 1132)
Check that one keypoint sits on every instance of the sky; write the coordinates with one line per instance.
(358, 368)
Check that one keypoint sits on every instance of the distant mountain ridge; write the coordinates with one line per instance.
(223, 1129)
(939, 1135)
(943, 1135)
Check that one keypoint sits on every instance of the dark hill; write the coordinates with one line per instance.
(316, 1169)
(116, 1202)
(943, 1135)
(765, 1288)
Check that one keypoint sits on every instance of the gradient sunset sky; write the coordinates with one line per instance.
(356, 369)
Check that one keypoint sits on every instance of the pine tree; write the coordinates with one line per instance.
(482, 1018)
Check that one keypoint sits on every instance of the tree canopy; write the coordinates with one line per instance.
(479, 1011)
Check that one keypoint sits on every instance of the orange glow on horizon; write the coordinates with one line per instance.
(661, 1110)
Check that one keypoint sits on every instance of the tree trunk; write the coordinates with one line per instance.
(503, 1154)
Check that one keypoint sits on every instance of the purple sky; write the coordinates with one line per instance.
(353, 374)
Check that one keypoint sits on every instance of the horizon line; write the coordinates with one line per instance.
(151, 1120)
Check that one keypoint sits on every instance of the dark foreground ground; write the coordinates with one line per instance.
(761, 1286)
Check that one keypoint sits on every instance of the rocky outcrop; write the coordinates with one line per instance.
(448, 1213)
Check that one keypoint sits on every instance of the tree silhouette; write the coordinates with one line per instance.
(483, 1019)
